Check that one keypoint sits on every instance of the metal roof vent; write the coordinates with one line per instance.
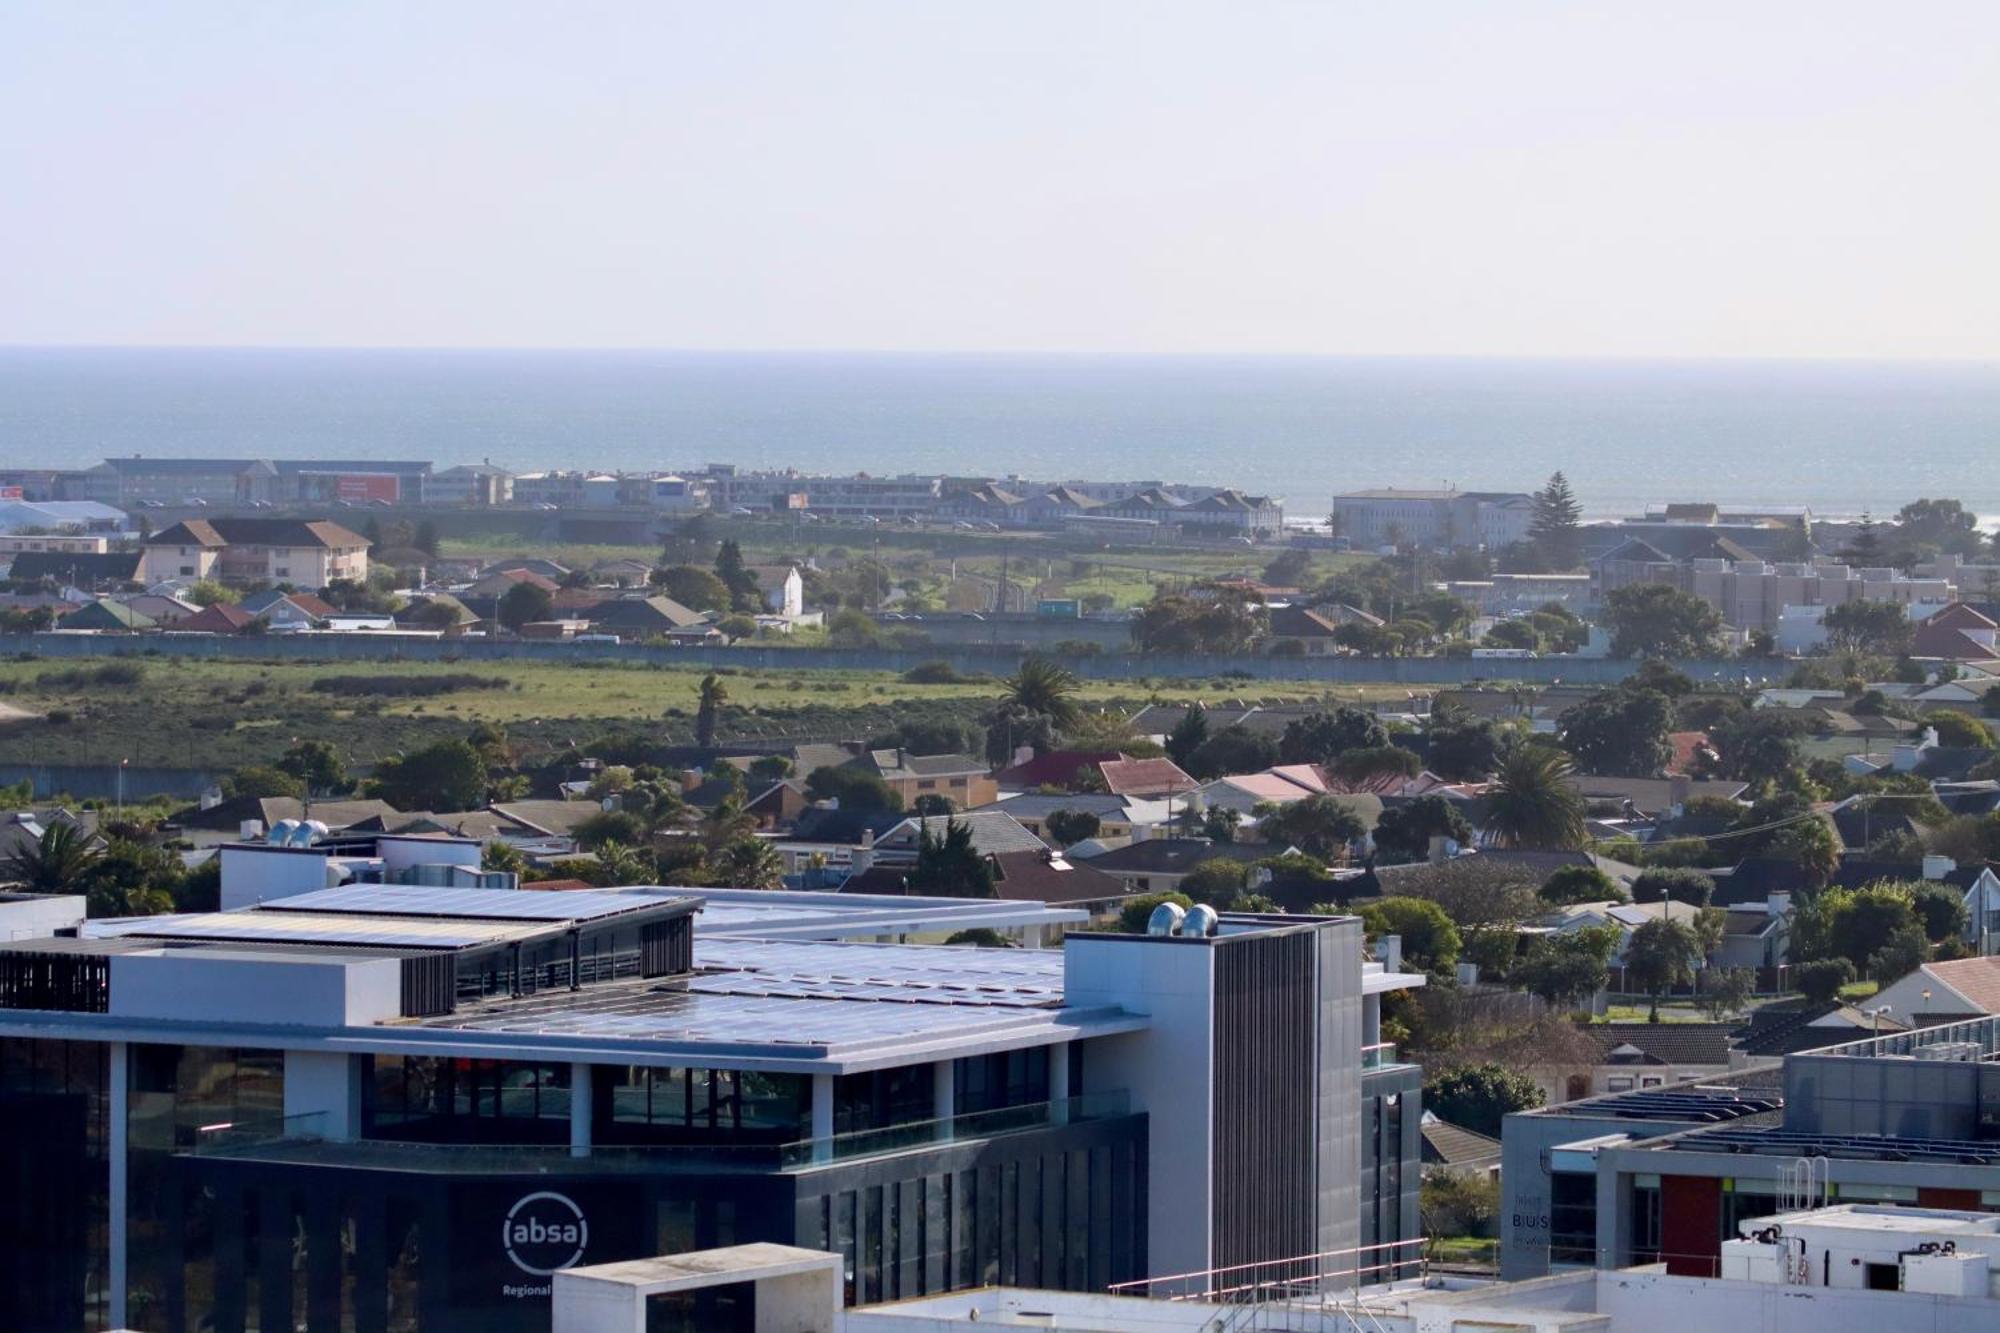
(1201, 921)
(281, 833)
(1165, 920)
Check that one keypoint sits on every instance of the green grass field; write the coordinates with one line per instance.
(224, 714)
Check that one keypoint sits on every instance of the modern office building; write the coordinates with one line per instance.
(390, 1106)
(1904, 1118)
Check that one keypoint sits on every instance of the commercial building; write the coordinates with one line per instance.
(1908, 1118)
(476, 484)
(1755, 594)
(388, 1105)
(319, 481)
(1442, 519)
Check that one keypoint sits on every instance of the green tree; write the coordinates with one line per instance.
(1755, 744)
(1580, 884)
(525, 603)
(1430, 940)
(1880, 628)
(131, 878)
(448, 775)
(1940, 909)
(693, 587)
(1554, 529)
(770, 768)
(1570, 968)
(1532, 802)
(1044, 686)
(1959, 729)
(1404, 832)
(854, 788)
(58, 861)
(1621, 732)
(316, 764)
(1208, 618)
(1318, 737)
(1136, 912)
(1661, 955)
(207, 592)
(708, 711)
(949, 866)
(260, 780)
(1367, 765)
(1821, 979)
(1480, 1097)
(1234, 749)
(748, 863)
(607, 826)
(1659, 620)
(1320, 825)
(1188, 735)
(1069, 827)
(1215, 881)
(1681, 884)
(1725, 990)
(1812, 845)
(1461, 747)
(932, 804)
(736, 576)
(1514, 634)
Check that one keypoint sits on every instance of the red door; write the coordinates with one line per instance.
(1691, 1225)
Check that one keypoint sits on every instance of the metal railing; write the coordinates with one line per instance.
(1304, 1278)
(305, 1138)
(1380, 1054)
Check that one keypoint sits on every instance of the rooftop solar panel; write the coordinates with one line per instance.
(489, 904)
(1795, 1143)
(307, 928)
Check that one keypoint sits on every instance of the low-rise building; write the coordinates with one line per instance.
(1438, 519)
(306, 553)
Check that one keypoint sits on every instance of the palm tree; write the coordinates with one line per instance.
(655, 804)
(749, 863)
(727, 823)
(56, 862)
(1531, 802)
(709, 711)
(618, 865)
(1046, 687)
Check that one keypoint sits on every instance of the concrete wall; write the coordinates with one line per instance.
(1437, 671)
(211, 986)
(1656, 1303)
(101, 780)
(41, 916)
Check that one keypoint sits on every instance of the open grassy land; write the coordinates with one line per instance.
(182, 712)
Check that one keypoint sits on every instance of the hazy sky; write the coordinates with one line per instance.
(1706, 179)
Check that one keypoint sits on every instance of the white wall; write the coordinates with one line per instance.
(1168, 1069)
(39, 917)
(253, 873)
(1656, 1303)
(231, 986)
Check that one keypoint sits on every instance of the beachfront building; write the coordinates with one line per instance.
(306, 553)
(1440, 519)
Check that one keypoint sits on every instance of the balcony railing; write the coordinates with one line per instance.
(1380, 1054)
(303, 1139)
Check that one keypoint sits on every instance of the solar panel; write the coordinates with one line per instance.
(1797, 1143)
(490, 904)
(308, 928)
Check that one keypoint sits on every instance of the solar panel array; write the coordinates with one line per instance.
(1703, 1107)
(487, 904)
(1021, 978)
(309, 928)
(646, 1012)
(1875, 1147)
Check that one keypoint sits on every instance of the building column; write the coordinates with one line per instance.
(822, 1117)
(1059, 1083)
(1371, 1020)
(581, 1094)
(944, 1095)
(115, 1134)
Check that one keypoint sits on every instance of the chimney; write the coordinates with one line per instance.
(867, 837)
(1937, 867)
(1440, 849)
(690, 779)
(1022, 754)
(1777, 902)
(1679, 787)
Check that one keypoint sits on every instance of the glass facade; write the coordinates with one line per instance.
(171, 1225)
(427, 1100)
(55, 1184)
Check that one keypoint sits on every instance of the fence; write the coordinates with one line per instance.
(970, 658)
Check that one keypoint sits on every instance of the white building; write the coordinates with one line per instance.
(1442, 519)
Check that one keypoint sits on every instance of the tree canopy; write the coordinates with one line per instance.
(1658, 620)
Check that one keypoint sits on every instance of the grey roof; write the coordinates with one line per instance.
(993, 832)
(1670, 1043)
(902, 764)
(1177, 856)
(1035, 805)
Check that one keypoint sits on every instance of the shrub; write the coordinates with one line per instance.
(407, 687)
(1680, 884)
(1580, 884)
(1132, 917)
(1821, 980)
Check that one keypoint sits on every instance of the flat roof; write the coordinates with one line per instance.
(280, 927)
(1864, 1147)
(1701, 1104)
(581, 905)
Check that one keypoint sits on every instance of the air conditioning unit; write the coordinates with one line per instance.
(1949, 1050)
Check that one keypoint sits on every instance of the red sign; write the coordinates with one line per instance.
(11, 493)
(366, 486)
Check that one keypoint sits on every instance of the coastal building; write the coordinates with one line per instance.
(52, 520)
(1440, 519)
(387, 1104)
(321, 481)
(1235, 512)
(125, 482)
(308, 553)
(1754, 594)
(479, 485)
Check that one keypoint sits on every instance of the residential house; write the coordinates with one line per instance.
(1943, 992)
(993, 833)
(1118, 817)
(1152, 503)
(221, 618)
(106, 616)
(1051, 768)
(1449, 1147)
(625, 573)
(288, 612)
(960, 777)
(1957, 633)
(1311, 632)
(984, 503)
(1634, 1056)
(783, 589)
(1152, 779)
(1158, 865)
(643, 617)
(1045, 876)
(1049, 509)
(1233, 511)
(309, 554)
(1774, 1030)
(110, 570)
(162, 610)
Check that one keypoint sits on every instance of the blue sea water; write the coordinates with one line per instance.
(1839, 436)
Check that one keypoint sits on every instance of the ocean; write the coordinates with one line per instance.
(1841, 437)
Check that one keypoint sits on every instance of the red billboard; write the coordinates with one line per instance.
(363, 487)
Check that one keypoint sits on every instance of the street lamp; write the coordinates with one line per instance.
(1875, 1017)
